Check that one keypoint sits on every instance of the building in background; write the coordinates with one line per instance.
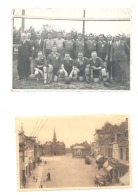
(53, 148)
(80, 150)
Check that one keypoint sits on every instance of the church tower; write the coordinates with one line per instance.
(54, 137)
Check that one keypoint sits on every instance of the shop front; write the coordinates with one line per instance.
(115, 169)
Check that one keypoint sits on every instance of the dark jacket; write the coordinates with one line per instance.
(119, 53)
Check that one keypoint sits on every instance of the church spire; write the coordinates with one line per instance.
(22, 128)
(54, 136)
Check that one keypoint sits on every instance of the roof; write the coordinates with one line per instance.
(119, 166)
(48, 143)
(99, 157)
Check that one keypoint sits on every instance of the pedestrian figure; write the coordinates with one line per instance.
(34, 178)
(24, 183)
(48, 176)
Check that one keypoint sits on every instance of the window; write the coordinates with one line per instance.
(121, 153)
(127, 154)
(110, 152)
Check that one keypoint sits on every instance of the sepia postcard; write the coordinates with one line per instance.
(73, 152)
(71, 49)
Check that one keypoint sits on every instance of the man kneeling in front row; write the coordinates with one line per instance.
(42, 69)
(39, 63)
(95, 69)
(67, 68)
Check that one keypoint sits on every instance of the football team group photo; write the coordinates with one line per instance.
(62, 57)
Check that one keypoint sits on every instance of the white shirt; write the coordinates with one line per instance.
(118, 43)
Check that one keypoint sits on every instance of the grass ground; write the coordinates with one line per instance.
(32, 83)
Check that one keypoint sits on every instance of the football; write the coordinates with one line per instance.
(67, 80)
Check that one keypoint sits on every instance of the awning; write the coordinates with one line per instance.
(125, 179)
(109, 168)
(120, 166)
(99, 157)
(105, 164)
(91, 153)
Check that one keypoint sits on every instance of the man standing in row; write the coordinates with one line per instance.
(24, 57)
(69, 46)
(90, 46)
(48, 45)
(102, 50)
(110, 68)
(79, 45)
(59, 44)
(38, 45)
(119, 52)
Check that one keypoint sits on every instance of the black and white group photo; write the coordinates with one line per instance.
(85, 49)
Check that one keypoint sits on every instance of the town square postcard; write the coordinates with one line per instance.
(73, 152)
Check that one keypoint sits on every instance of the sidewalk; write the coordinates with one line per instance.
(37, 172)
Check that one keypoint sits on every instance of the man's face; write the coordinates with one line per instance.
(109, 38)
(101, 38)
(68, 36)
(40, 55)
(54, 49)
(59, 35)
(117, 38)
(80, 37)
(23, 37)
(91, 37)
(94, 56)
(38, 36)
(49, 35)
(80, 55)
(67, 56)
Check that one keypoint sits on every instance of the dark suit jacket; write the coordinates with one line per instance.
(102, 48)
(119, 53)
(38, 47)
(109, 50)
(24, 50)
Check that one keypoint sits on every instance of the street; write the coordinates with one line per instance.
(65, 172)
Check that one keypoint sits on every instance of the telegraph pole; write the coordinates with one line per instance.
(83, 30)
(23, 20)
(13, 12)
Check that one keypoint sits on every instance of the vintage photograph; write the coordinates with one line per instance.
(74, 49)
(73, 152)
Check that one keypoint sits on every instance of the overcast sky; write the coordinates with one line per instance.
(94, 27)
(69, 129)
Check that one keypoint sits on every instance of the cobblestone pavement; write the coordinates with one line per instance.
(66, 172)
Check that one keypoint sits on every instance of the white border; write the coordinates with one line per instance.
(24, 104)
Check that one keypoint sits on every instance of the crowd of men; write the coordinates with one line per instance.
(94, 59)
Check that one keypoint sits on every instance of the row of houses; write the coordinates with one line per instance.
(29, 156)
(111, 149)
